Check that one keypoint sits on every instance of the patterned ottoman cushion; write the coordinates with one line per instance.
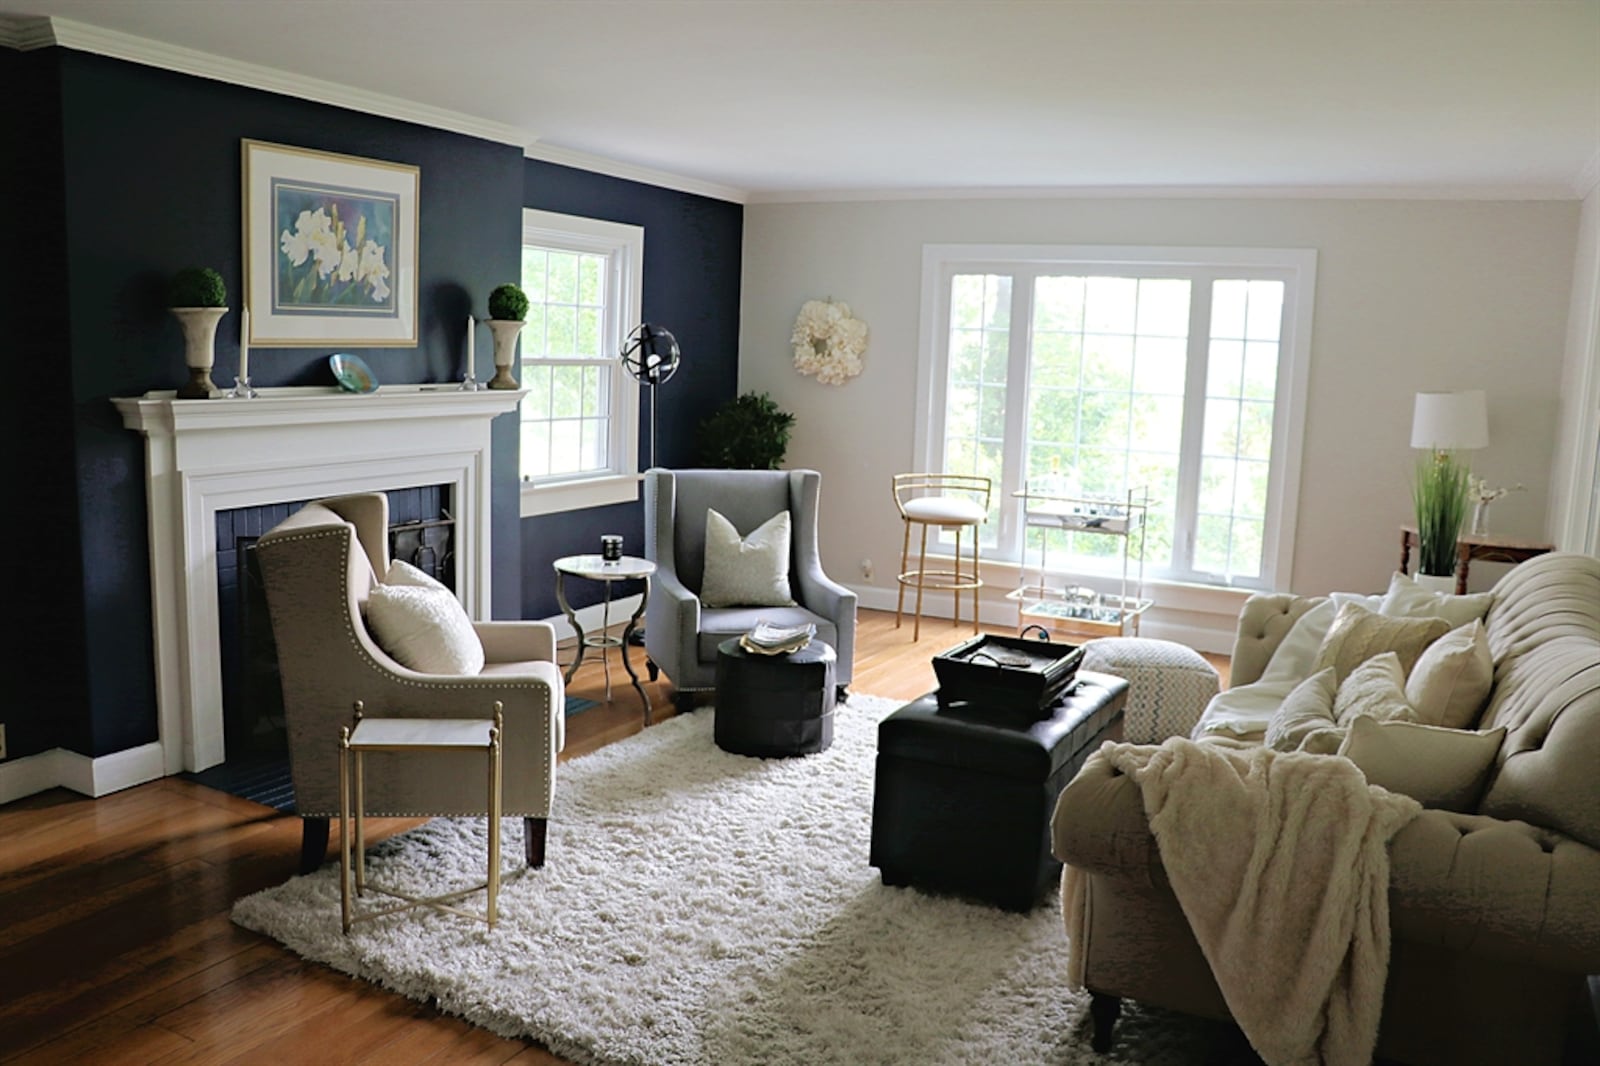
(1169, 684)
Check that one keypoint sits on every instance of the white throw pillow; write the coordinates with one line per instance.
(1358, 634)
(1375, 689)
(1407, 599)
(1443, 768)
(1292, 659)
(746, 572)
(1305, 721)
(403, 573)
(1451, 681)
(425, 629)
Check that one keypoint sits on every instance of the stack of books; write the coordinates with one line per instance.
(768, 639)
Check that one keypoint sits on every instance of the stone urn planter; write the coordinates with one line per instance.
(199, 348)
(505, 333)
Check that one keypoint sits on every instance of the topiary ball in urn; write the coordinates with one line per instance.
(508, 303)
(198, 297)
(748, 432)
(508, 308)
(197, 287)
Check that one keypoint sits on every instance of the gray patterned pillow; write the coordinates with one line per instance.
(751, 571)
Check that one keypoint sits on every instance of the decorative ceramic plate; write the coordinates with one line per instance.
(352, 373)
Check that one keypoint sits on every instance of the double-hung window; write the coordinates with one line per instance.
(1099, 370)
(580, 420)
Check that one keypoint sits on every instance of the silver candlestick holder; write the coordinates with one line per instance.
(470, 384)
(242, 390)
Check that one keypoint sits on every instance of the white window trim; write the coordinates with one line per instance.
(625, 245)
(1294, 374)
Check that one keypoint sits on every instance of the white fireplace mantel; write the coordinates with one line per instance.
(206, 456)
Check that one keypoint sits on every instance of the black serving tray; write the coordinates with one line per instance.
(1006, 673)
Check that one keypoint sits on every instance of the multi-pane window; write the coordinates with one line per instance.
(1093, 376)
(579, 423)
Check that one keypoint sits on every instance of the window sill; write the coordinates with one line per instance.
(1168, 594)
(558, 496)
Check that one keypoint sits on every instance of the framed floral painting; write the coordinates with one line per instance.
(330, 249)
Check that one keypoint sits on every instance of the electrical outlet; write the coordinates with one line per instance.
(2, 740)
(866, 569)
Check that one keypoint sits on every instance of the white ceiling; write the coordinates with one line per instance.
(795, 98)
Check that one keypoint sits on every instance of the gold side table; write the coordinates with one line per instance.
(412, 735)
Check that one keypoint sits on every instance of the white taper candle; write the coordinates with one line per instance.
(469, 345)
(244, 344)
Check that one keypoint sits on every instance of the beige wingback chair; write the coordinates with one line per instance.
(318, 565)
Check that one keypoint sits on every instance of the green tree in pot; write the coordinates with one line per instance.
(1439, 493)
(748, 432)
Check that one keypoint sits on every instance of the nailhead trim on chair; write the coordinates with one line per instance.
(542, 690)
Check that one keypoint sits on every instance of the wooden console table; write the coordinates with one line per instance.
(1470, 546)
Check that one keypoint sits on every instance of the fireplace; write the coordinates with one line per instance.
(206, 457)
(421, 530)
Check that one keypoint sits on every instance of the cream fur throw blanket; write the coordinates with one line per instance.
(1281, 864)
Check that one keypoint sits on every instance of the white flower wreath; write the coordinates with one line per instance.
(828, 342)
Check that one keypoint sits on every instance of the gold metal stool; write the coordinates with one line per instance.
(946, 501)
(412, 735)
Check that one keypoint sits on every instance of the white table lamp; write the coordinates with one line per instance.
(1450, 421)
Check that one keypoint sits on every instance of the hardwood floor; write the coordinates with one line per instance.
(115, 943)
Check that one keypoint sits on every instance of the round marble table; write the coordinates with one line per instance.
(596, 568)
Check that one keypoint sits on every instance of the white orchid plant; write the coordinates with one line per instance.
(1480, 491)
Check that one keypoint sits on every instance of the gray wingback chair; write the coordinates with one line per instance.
(319, 565)
(681, 636)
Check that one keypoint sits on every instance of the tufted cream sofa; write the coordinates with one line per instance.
(1495, 914)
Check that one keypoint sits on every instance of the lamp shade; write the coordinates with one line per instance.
(1447, 421)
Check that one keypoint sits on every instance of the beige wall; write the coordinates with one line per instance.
(1411, 295)
(1575, 477)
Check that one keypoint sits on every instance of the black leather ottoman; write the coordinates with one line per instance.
(964, 795)
(774, 704)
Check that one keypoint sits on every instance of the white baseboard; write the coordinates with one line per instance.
(592, 618)
(60, 768)
(29, 774)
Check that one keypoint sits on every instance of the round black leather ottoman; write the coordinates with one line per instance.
(774, 704)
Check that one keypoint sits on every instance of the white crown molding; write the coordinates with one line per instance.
(1588, 177)
(568, 157)
(85, 38)
(25, 33)
(1173, 192)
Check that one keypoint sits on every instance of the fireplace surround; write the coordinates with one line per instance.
(293, 443)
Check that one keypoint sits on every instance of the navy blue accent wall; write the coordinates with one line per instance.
(692, 262)
(129, 173)
(151, 183)
(43, 708)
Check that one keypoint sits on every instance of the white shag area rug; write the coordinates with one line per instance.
(702, 907)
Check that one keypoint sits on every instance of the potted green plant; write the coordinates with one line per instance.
(1440, 492)
(748, 432)
(198, 297)
(508, 311)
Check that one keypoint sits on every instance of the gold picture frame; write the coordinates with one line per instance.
(330, 248)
